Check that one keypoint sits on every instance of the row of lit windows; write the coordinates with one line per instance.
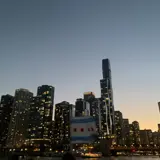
(47, 92)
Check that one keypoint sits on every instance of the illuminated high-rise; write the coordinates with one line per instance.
(40, 117)
(108, 125)
(119, 127)
(46, 94)
(61, 132)
(130, 141)
(35, 123)
(5, 116)
(19, 118)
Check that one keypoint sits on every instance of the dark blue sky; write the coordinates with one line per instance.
(62, 43)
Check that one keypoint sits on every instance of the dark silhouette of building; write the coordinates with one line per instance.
(159, 106)
(79, 107)
(63, 112)
(144, 138)
(156, 138)
(136, 134)
(6, 105)
(89, 96)
(126, 132)
(19, 119)
(150, 136)
(158, 127)
(89, 103)
(107, 95)
(119, 127)
(131, 135)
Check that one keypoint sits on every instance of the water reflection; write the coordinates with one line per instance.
(111, 158)
(124, 158)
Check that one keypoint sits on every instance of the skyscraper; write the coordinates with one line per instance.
(5, 116)
(144, 138)
(156, 138)
(126, 132)
(46, 94)
(158, 127)
(96, 113)
(52, 136)
(19, 118)
(37, 117)
(159, 106)
(88, 107)
(40, 117)
(136, 134)
(130, 141)
(119, 127)
(61, 131)
(35, 123)
(150, 136)
(107, 96)
(89, 98)
(79, 107)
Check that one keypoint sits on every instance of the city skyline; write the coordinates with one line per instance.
(62, 44)
(104, 93)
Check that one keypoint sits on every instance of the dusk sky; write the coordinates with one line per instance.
(62, 43)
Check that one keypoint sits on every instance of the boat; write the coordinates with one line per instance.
(91, 155)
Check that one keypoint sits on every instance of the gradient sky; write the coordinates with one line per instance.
(62, 43)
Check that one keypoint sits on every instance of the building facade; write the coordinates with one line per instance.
(136, 133)
(150, 136)
(89, 106)
(40, 117)
(6, 105)
(63, 112)
(79, 107)
(89, 100)
(131, 135)
(144, 138)
(19, 119)
(126, 132)
(35, 123)
(46, 94)
(158, 127)
(156, 138)
(119, 127)
(89, 96)
(107, 96)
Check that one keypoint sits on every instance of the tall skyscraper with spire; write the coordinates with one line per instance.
(107, 107)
